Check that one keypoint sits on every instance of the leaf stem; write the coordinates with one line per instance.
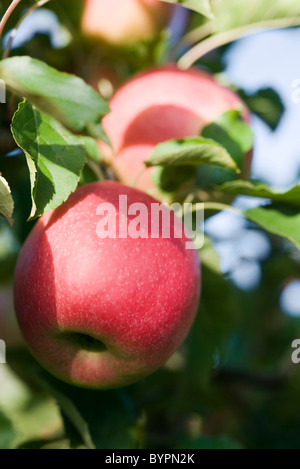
(221, 39)
(220, 207)
(200, 33)
(7, 14)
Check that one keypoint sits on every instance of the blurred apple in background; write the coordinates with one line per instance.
(158, 105)
(122, 22)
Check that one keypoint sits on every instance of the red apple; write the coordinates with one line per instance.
(161, 104)
(121, 22)
(103, 313)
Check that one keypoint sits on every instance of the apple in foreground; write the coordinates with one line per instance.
(122, 22)
(158, 105)
(103, 312)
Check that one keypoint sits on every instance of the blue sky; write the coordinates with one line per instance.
(271, 59)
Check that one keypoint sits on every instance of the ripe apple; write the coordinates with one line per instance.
(121, 22)
(158, 105)
(103, 313)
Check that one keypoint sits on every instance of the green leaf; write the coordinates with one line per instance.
(237, 18)
(170, 180)
(7, 433)
(91, 148)
(281, 220)
(200, 6)
(54, 156)
(70, 411)
(65, 97)
(261, 190)
(237, 13)
(102, 419)
(217, 316)
(265, 103)
(6, 200)
(191, 151)
(232, 132)
(34, 416)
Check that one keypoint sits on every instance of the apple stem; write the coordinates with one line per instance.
(7, 14)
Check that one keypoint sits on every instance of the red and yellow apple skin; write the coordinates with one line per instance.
(103, 313)
(123, 22)
(159, 105)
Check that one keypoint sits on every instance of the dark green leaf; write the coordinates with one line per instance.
(65, 97)
(105, 419)
(55, 157)
(70, 411)
(265, 103)
(217, 315)
(170, 179)
(230, 131)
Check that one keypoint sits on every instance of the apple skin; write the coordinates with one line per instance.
(158, 105)
(137, 297)
(123, 22)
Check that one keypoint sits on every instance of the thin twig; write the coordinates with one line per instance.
(221, 39)
(15, 30)
(7, 14)
(96, 168)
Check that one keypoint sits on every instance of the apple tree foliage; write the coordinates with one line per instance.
(232, 385)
